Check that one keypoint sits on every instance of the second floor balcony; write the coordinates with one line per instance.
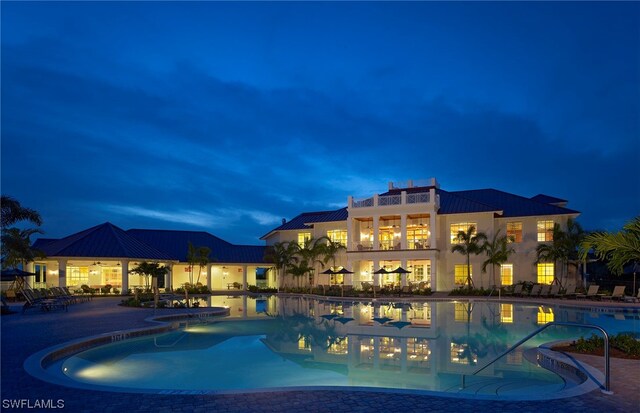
(391, 200)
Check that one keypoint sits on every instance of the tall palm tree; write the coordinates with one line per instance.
(202, 259)
(13, 212)
(573, 237)
(16, 247)
(282, 256)
(469, 242)
(553, 252)
(498, 251)
(150, 270)
(617, 248)
(312, 253)
(563, 249)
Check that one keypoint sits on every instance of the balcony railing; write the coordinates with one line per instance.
(391, 200)
(388, 245)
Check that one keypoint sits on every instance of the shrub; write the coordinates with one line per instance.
(625, 342)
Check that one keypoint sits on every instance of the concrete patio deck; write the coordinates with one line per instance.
(25, 334)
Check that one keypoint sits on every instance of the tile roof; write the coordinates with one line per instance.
(547, 199)
(511, 205)
(301, 221)
(175, 243)
(453, 203)
(104, 240)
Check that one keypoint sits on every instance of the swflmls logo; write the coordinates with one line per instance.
(32, 404)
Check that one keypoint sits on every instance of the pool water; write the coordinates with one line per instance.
(300, 342)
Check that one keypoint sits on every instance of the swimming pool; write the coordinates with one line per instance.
(298, 342)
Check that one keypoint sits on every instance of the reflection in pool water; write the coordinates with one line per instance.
(286, 342)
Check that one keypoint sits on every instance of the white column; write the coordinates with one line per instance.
(376, 228)
(376, 277)
(62, 272)
(167, 277)
(433, 230)
(403, 277)
(125, 276)
(434, 272)
(350, 234)
(244, 277)
(209, 276)
(30, 279)
(403, 230)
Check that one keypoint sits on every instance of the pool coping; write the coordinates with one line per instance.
(36, 365)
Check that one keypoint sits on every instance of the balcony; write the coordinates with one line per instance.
(388, 245)
(391, 200)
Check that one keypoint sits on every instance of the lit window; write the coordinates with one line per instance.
(338, 236)
(545, 272)
(303, 238)
(303, 344)
(545, 231)
(506, 274)
(545, 315)
(462, 226)
(506, 313)
(462, 312)
(77, 275)
(339, 346)
(514, 231)
(460, 274)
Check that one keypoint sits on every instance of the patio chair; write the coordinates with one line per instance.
(517, 290)
(535, 291)
(406, 290)
(617, 294)
(58, 293)
(569, 292)
(554, 291)
(77, 296)
(544, 291)
(592, 293)
(45, 304)
(632, 299)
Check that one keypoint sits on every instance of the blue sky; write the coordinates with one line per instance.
(227, 117)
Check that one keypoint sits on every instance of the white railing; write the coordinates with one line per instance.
(362, 245)
(419, 198)
(367, 202)
(389, 200)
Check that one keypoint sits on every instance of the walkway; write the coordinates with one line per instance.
(25, 334)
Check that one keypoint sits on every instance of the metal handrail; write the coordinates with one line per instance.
(544, 327)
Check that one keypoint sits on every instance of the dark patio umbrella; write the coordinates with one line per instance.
(400, 270)
(17, 276)
(328, 271)
(400, 324)
(344, 271)
(329, 316)
(344, 320)
(380, 271)
(382, 320)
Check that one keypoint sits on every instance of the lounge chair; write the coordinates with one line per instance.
(632, 299)
(554, 291)
(76, 296)
(592, 293)
(535, 291)
(406, 290)
(544, 291)
(517, 290)
(617, 294)
(569, 292)
(45, 304)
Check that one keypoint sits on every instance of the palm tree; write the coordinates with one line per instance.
(312, 253)
(553, 252)
(618, 249)
(572, 239)
(563, 248)
(150, 270)
(469, 242)
(202, 259)
(13, 212)
(498, 251)
(16, 247)
(282, 256)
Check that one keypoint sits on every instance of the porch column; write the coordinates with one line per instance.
(376, 228)
(62, 272)
(403, 277)
(434, 273)
(244, 277)
(376, 277)
(403, 230)
(167, 277)
(350, 234)
(30, 279)
(376, 352)
(433, 230)
(209, 275)
(125, 276)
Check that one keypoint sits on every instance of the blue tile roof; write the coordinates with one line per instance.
(105, 240)
(301, 221)
(452, 203)
(175, 243)
(511, 205)
(547, 199)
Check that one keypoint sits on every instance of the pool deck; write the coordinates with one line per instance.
(25, 334)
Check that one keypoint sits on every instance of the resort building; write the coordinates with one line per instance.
(414, 226)
(105, 255)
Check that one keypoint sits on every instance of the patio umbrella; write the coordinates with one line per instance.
(344, 320)
(400, 324)
(329, 316)
(328, 271)
(17, 276)
(400, 270)
(382, 320)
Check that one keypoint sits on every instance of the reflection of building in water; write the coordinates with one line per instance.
(439, 338)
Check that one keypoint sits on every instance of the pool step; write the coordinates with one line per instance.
(507, 387)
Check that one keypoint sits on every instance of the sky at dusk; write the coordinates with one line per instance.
(227, 117)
